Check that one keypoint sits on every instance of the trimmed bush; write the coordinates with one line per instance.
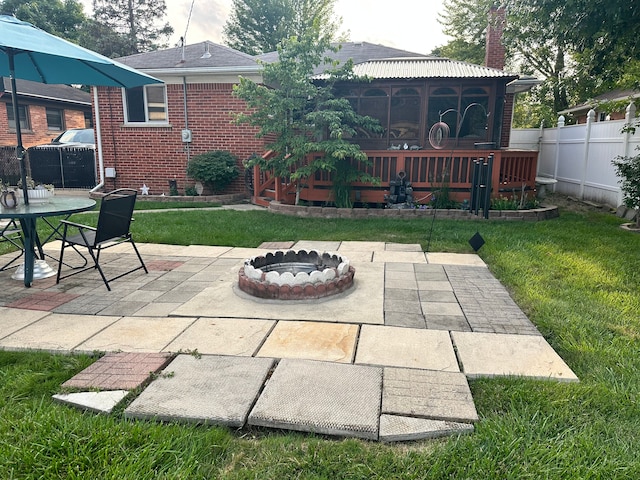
(215, 169)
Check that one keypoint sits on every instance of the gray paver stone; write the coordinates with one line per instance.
(428, 394)
(210, 389)
(396, 428)
(321, 397)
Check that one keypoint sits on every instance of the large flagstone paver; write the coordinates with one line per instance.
(469, 259)
(137, 334)
(490, 354)
(363, 303)
(406, 347)
(223, 336)
(13, 319)
(57, 332)
(312, 341)
(208, 389)
(321, 397)
(391, 256)
(318, 245)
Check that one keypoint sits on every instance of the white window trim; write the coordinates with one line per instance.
(147, 122)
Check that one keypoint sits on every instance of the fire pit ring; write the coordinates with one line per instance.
(296, 275)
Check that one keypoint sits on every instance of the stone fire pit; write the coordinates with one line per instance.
(296, 275)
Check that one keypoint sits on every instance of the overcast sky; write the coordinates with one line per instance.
(409, 24)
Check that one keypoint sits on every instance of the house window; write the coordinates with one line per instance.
(146, 104)
(23, 112)
(475, 107)
(55, 119)
(88, 120)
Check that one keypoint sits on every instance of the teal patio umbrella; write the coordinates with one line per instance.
(29, 53)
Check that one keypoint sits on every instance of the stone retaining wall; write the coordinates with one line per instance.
(537, 214)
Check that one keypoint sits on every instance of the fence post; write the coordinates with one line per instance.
(587, 143)
(555, 168)
(629, 117)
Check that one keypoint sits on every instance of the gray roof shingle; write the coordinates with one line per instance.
(60, 93)
(194, 57)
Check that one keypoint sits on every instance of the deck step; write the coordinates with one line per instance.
(261, 201)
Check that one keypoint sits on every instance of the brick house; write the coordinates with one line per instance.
(147, 135)
(45, 111)
(140, 130)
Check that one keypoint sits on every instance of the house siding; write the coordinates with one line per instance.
(154, 155)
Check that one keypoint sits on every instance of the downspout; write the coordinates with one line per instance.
(186, 116)
(99, 141)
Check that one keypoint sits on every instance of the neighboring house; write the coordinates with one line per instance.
(147, 135)
(608, 106)
(45, 111)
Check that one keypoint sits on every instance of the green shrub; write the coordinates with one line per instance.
(216, 169)
(628, 169)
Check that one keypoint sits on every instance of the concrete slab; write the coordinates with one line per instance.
(361, 304)
(405, 320)
(406, 347)
(57, 332)
(99, 402)
(356, 246)
(13, 319)
(136, 334)
(320, 397)
(210, 389)
(489, 355)
(396, 428)
(244, 253)
(320, 246)
(435, 285)
(403, 247)
(276, 245)
(204, 251)
(469, 259)
(223, 336)
(152, 249)
(392, 256)
(312, 341)
(428, 394)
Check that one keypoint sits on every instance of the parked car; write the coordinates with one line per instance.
(74, 137)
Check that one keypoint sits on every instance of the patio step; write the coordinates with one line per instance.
(261, 201)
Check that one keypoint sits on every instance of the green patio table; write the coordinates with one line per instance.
(29, 214)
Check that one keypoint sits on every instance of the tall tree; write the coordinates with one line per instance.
(303, 116)
(140, 21)
(258, 26)
(58, 17)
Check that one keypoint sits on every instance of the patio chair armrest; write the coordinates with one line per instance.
(77, 225)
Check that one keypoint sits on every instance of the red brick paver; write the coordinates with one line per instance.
(45, 301)
(119, 371)
(163, 265)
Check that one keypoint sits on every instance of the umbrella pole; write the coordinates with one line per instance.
(16, 115)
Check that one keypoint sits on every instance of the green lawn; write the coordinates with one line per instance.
(577, 278)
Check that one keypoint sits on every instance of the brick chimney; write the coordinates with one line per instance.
(494, 54)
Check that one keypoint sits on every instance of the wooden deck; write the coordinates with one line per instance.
(427, 170)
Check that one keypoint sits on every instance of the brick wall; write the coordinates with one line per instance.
(39, 132)
(154, 155)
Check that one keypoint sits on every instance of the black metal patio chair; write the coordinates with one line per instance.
(113, 228)
(11, 232)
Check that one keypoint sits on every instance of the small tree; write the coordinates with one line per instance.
(628, 169)
(216, 169)
(303, 116)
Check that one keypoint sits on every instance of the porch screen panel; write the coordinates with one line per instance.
(374, 102)
(443, 106)
(475, 108)
(404, 116)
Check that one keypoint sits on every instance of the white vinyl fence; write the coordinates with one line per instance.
(579, 156)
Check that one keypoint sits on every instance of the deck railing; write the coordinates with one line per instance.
(427, 170)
